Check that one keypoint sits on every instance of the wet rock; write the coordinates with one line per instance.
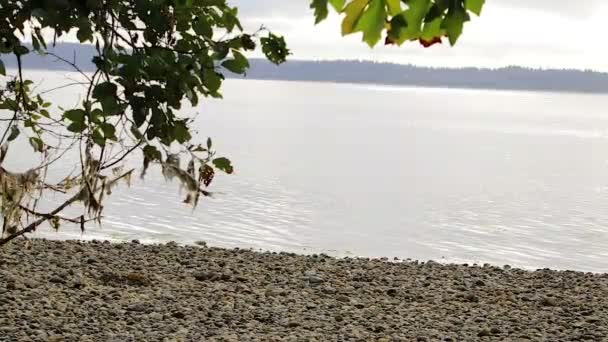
(342, 298)
(484, 332)
(548, 301)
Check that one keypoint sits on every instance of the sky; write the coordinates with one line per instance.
(534, 33)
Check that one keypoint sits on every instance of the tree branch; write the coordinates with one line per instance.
(45, 217)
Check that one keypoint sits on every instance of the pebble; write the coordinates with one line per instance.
(141, 292)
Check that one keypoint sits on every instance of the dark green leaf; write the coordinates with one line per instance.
(199, 148)
(414, 16)
(136, 133)
(238, 65)
(247, 43)
(320, 9)
(75, 115)
(41, 40)
(209, 143)
(207, 174)
(106, 89)
(39, 13)
(181, 133)
(84, 34)
(152, 153)
(211, 80)
(275, 48)
(223, 164)
(435, 11)
(202, 27)
(97, 116)
(454, 22)
(109, 132)
(77, 127)
(36, 144)
(21, 50)
(98, 138)
(35, 43)
(14, 133)
(110, 106)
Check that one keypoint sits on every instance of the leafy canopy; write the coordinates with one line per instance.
(401, 20)
(152, 56)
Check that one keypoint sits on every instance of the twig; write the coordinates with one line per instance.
(48, 216)
(32, 226)
(20, 97)
(122, 157)
(72, 64)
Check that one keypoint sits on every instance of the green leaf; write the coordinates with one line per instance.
(35, 43)
(454, 22)
(199, 148)
(209, 143)
(140, 110)
(77, 127)
(152, 153)
(371, 22)
(474, 6)
(41, 40)
(75, 115)
(98, 138)
(39, 13)
(211, 80)
(110, 106)
(36, 144)
(21, 50)
(320, 8)
(275, 48)
(238, 65)
(181, 132)
(202, 27)
(106, 89)
(136, 133)
(413, 16)
(2, 68)
(223, 164)
(394, 7)
(338, 5)
(109, 131)
(14, 133)
(435, 11)
(352, 13)
(432, 29)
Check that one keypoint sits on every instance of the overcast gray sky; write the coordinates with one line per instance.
(537, 33)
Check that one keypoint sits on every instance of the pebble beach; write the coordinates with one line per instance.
(101, 291)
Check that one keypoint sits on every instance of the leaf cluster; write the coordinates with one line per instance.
(401, 20)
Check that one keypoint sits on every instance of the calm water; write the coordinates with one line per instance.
(456, 175)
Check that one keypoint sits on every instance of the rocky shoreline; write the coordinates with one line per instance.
(98, 291)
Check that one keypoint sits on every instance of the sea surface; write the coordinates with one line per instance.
(518, 178)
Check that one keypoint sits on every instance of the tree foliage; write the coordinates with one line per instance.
(400, 21)
(152, 56)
